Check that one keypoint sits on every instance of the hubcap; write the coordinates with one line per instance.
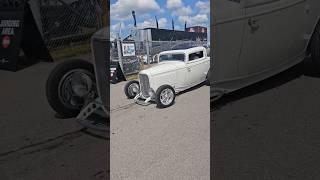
(166, 96)
(133, 89)
(74, 87)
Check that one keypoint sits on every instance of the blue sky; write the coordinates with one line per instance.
(194, 12)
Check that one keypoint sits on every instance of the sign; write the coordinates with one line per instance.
(128, 49)
(131, 65)
(129, 61)
(19, 31)
(10, 38)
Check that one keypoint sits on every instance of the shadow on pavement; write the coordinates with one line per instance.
(304, 68)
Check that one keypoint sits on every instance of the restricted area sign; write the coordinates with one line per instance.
(11, 21)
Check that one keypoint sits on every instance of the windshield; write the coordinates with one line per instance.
(171, 57)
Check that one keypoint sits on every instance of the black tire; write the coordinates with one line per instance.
(158, 94)
(53, 81)
(127, 89)
(114, 80)
(315, 48)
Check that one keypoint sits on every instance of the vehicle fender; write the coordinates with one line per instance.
(158, 80)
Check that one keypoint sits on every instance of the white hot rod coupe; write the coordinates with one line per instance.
(255, 39)
(176, 71)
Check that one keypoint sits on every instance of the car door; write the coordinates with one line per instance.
(227, 36)
(196, 66)
(274, 34)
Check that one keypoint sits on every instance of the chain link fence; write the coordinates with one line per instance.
(67, 25)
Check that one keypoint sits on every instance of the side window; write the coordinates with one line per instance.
(195, 56)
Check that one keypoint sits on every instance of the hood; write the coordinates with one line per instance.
(163, 68)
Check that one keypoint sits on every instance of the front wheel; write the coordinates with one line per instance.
(131, 89)
(165, 96)
(69, 85)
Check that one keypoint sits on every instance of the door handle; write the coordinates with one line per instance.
(254, 26)
(189, 69)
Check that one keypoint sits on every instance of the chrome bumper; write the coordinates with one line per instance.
(139, 100)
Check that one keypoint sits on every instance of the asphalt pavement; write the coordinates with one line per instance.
(160, 144)
(269, 130)
(36, 145)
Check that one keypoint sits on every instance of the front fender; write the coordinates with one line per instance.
(168, 78)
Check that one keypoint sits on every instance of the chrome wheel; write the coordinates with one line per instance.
(74, 87)
(133, 89)
(166, 96)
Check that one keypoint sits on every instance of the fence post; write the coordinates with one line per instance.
(148, 51)
(119, 53)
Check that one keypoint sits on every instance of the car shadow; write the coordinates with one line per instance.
(192, 88)
(305, 68)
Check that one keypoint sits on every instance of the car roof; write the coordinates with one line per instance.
(185, 51)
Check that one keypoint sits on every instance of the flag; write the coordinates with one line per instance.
(134, 18)
(172, 24)
(157, 22)
(185, 26)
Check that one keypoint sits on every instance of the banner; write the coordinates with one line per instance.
(130, 62)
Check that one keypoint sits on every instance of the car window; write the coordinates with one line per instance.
(171, 57)
(195, 56)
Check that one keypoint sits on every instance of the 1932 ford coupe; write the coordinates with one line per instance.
(176, 71)
(255, 39)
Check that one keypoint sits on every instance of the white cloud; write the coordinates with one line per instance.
(204, 7)
(112, 36)
(197, 20)
(122, 9)
(178, 8)
(172, 4)
(182, 11)
(116, 27)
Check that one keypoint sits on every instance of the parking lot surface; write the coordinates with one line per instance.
(36, 145)
(152, 143)
(269, 130)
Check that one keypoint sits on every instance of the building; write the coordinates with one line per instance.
(197, 29)
(154, 34)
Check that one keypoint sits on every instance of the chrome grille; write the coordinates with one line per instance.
(100, 45)
(144, 85)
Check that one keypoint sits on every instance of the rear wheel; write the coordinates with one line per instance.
(165, 96)
(69, 86)
(315, 48)
(131, 89)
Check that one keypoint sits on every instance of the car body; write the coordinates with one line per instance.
(179, 69)
(255, 39)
